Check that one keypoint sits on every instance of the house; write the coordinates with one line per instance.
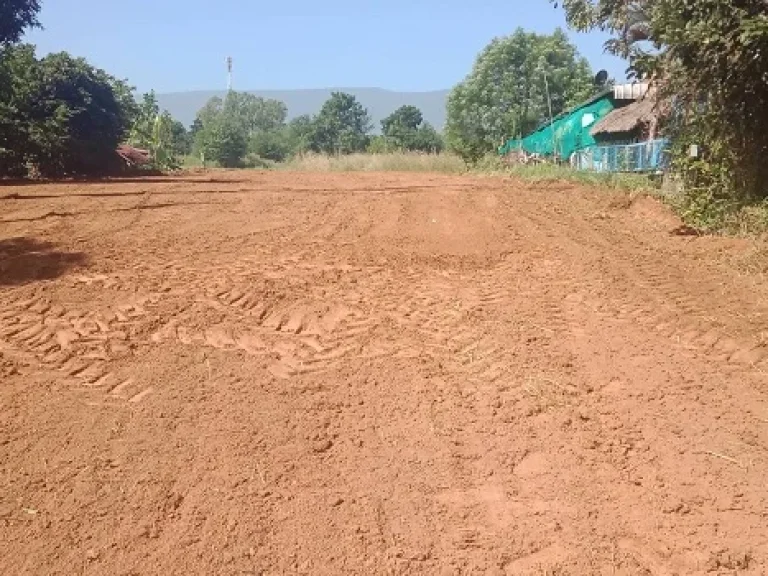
(637, 122)
(627, 139)
(571, 131)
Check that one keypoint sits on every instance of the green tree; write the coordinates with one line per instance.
(628, 23)
(18, 69)
(182, 139)
(16, 16)
(342, 126)
(510, 89)
(271, 145)
(708, 59)
(428, 139)
(400, 127)
(405, 129)
(223, 141)
(253, 113)
(222, 132)
(158, 132)
(300, 133)
(79, 114)
(59, 115)
(227, 128)
(260, 114)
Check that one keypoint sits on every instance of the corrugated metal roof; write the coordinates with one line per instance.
(133, 155)
(630, 91)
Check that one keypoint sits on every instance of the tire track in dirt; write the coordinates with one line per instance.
(461, 379)
(80, 346)
(295, 329)
(664, 301)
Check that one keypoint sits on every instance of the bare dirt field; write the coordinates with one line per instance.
(272, 373)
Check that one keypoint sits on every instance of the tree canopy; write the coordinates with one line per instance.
(514, 81)
(242, 129)
(16, 16)
(300, 132)
(222, 129)
(226, 129)
(405, 129)
(341, 126)
(59, 114)
(708, 58)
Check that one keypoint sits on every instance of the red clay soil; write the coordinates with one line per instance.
(273, 373)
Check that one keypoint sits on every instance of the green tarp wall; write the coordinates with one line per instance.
(571, 131)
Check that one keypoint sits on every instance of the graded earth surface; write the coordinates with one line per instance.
(241, 373)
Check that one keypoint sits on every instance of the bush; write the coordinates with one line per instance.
(270, 145)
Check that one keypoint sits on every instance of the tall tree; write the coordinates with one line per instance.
(181, 140)
(18, 73)
(428, 139)
(405, 129)
(709, 59)
(300, 133)
(81, 114)
(400, 127)
(59, 114)
(16, 16)
(253, 113)
(512, 85)
(628, 22)
(222, 131)
(341, 126)
(404, 118)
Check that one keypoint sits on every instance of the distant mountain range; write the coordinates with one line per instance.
(380, 103)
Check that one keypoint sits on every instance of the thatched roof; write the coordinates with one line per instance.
(133, 156)
(628, 118)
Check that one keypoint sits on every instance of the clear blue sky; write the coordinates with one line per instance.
(175, 45)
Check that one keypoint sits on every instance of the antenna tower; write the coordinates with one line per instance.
(229, 73)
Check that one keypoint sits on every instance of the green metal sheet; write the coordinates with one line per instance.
(567, 134)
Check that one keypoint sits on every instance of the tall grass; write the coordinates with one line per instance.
(390, 162)
(494, 165)
(452, 164)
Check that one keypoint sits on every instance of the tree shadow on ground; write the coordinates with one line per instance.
(24, 260)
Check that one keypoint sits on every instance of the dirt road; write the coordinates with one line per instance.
(249, 373)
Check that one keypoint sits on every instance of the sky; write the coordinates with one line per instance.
(403, 45)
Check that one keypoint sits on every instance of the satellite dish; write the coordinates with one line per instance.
(601, 78)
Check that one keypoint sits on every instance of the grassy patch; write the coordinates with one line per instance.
(722, 216)
(553, 173)
(391, 162)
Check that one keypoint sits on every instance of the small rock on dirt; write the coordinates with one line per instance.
(92, 555)
(322, 446)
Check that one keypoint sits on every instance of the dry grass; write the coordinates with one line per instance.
(545, 172)
(753, 261)
(392, 162)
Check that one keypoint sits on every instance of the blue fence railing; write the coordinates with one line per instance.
(650, 156)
